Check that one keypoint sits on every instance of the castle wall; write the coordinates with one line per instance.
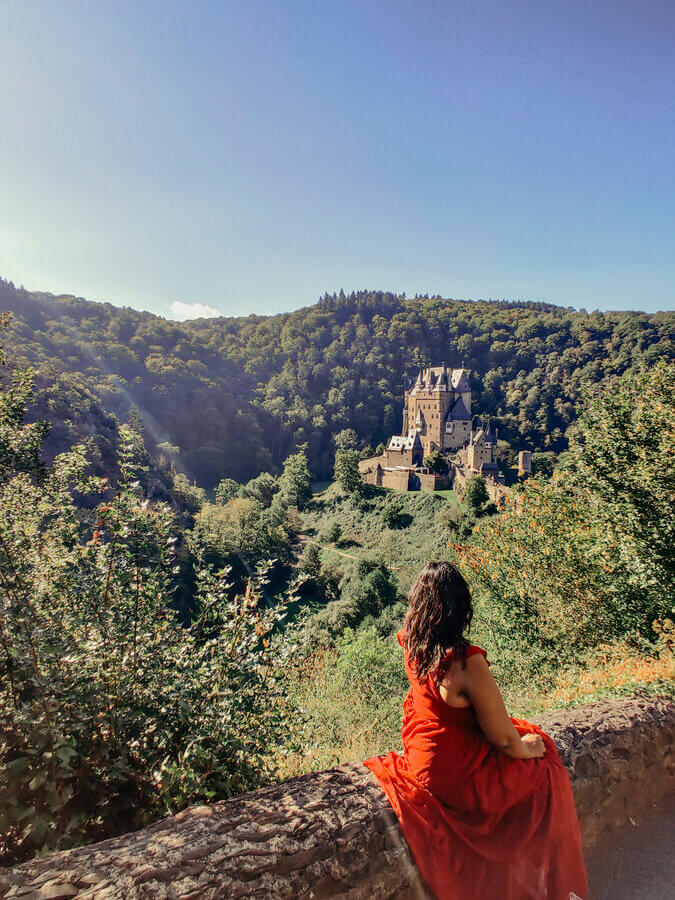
(460, 434)
(370, 464)
(397, 480)
(434, 482)
(399, 458)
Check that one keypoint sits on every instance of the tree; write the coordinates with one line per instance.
(393, 515)
(295, 481)
(346, 471)
(621, 454)
(542, 463)
(226, 490)
(114, 711)
(346, 439)
(311, 560)
(475, 493)
(192, 496)
(21, 442)
(263, 488)
(587, 556)
(436, 462)
(333, 533)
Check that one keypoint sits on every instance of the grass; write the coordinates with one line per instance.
(449, 495)
(352, 695)
(405, 550)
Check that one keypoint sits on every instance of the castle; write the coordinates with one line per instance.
(436, 417)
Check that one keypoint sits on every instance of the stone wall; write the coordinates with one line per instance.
(333, 834)
(371, 463)
(397, 479)
(434, 482)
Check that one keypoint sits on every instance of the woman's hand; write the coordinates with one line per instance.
(534, 746)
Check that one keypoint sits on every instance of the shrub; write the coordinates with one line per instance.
(332, 533)
(393, 515)
(475, 493)
(346, 471)
(113, 713)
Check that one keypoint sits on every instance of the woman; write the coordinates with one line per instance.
(483, 800)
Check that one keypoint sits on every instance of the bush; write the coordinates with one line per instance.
(311, 560)
(371, 590)
(393, 515)
(346, 471)
(113, 713)
(475, 493)
(332, 533)
(348, 700)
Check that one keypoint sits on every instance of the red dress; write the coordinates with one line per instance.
(479, 823)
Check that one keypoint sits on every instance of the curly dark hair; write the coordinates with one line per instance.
(439, 612)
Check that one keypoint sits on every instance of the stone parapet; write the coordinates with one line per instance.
(333, 834)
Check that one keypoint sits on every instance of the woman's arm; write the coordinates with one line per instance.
(481, 689)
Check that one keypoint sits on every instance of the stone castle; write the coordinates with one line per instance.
(437, 417)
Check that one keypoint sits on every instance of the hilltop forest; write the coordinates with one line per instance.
(233, 397)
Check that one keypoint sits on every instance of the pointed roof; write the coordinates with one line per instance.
(442, 380)
(460, 382)
(459, 412)
(419, 383)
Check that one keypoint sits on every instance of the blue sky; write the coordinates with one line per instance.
(250, 156)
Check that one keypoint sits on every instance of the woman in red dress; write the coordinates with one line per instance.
(483, 800)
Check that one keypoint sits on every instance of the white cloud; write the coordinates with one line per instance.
(181, 311)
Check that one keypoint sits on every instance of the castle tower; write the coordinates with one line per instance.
(439, 407)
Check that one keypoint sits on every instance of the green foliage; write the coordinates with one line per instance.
(587, 556)
(543, 463)
(193, 497)
(239, 395)
(226, 490)
(366, 593)
(346, 439)
(394, 515)
(436, 462)
(332, 533)
(20, 442)
(350, 699)
(346, 471)
(261, 489)
(621, 455)
(311, 560)
(112, 711)
(295, 482)
(458, 520)
(475, 493)
(242, 530)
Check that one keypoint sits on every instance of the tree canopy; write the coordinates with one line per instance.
(233, 397)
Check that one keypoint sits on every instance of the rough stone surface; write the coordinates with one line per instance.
(333, 834)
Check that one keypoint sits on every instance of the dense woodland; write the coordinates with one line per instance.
(164, 644)
(233, 397)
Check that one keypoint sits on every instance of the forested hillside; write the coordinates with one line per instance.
(162, 649)
(235, 396)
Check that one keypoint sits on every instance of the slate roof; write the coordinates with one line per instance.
(459, 412)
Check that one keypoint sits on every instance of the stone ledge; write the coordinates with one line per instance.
(333, 834)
